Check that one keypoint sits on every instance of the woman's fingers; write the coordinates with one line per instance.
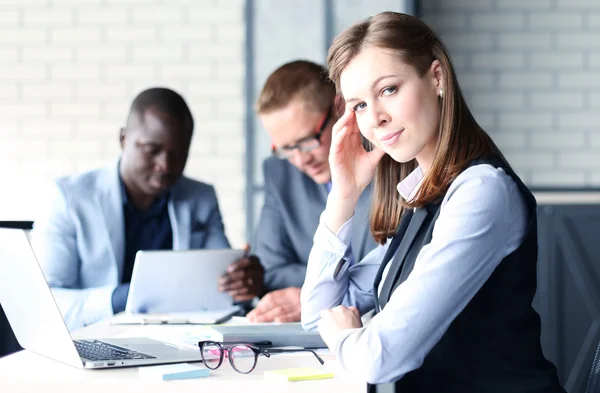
(345, 143)
(348, 128)
(339, 136)
(343, 121)
(337, 150)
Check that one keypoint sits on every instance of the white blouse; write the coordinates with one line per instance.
(483, 218)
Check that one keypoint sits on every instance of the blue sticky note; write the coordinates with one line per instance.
(171, 372)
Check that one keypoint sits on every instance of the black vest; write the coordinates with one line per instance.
(493, 345)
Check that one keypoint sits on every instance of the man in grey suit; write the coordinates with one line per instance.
(87, 240)
(296, 107)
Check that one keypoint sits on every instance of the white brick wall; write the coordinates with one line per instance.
(70, 68)
(530, 70)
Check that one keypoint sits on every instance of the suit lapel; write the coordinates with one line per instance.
(416, 222)
(110, 201)
(180, 214)
(393, 247)
(433, 213)
(360, 237)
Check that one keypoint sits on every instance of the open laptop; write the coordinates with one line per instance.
(188, 284)
(39, 327)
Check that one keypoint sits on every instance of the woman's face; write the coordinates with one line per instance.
(396, 109)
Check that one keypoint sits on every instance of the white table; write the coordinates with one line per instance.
(27, 372)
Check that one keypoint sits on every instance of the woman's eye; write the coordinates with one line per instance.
(359, 107)
(388, 90)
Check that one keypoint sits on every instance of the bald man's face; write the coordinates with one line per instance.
(155, 148)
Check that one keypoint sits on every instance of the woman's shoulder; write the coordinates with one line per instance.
(484, 183)
(486, 198)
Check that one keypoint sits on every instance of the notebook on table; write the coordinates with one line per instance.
(279, 334)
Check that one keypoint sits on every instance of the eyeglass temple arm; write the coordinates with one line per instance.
(283, 350)
(257, 343)
(320, 128)
(232, 343)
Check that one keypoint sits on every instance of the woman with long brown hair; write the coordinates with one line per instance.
(453, 280)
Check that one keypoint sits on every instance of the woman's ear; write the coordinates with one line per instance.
(437, 76)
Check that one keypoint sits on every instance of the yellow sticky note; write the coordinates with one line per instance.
(297, 374)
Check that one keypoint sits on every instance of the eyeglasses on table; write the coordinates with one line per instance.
(242, 356)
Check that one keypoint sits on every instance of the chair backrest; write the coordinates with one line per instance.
(8, 341)
(27, 225)
(593, 385)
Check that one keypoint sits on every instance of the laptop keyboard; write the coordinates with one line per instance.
(99, 350)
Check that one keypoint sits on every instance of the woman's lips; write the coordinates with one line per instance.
(391, 138)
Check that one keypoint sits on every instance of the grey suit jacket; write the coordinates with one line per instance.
(80, 239)
(288, 221)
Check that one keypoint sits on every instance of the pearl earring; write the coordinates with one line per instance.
(441, 93)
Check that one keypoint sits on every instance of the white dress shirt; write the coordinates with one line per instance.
(482, 219)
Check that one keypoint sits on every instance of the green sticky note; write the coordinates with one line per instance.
(297, 374)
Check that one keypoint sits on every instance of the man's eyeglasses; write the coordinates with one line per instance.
(307, 144)
(242, 356)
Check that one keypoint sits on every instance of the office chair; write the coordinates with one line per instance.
(8, 341)
(593, 385)
(25, 225)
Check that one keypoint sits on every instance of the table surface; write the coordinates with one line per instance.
(567, 197)
(25, 371)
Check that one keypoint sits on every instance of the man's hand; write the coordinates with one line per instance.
(335, 320)
(282, 305)
(244, 279)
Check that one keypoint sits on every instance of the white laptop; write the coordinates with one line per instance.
(39, 327)
(182, 281)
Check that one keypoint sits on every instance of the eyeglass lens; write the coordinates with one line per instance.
(304, 146)
(242, 358)
(212, 355)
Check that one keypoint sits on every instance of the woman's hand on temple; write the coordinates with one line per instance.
(352, 169)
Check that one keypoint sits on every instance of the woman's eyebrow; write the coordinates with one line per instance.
(375, 82)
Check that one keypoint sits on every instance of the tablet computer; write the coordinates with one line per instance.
(179, 281)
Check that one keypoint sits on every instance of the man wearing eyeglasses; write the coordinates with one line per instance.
(295, 107)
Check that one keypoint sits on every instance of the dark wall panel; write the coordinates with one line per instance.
(568, 297)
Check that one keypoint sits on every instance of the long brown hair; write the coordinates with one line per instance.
(460, 140)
